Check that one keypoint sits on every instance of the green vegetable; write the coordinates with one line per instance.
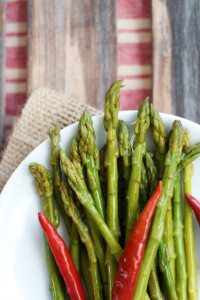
(140, 127)
(73, 213)
(192, 287)
(75, 246)
(172, 160)
(77, 183)
(54, 134)
(89, 155)
(96, 237)
(44, 187)
(111, 110)
(84, 263)
(181, 275)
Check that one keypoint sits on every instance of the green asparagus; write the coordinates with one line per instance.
(96, 237)
(73, 213)
(44, 187)
(172, 160)
(75, 246)
(54, 134)
(160, 139)
(77, 183)
(181, 275)
(89, 152)
(84, 263)
(192, 287)
(111, 110)
(140, 127)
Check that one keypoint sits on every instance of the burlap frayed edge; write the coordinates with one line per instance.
(44, 108)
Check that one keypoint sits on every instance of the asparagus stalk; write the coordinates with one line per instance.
(160, 139)
(172, 160)
(84, 263)
(164, 264)
(125, 150)
(75, 247)
(77, 183)
(111, 110)
(181, 275)
(103, 173)
(144, 186)
(96, 237)
(44, 187)
(124, 167)
(192, 287)
(140, 127)
(152, 177)
(73, 213)
(89, 153)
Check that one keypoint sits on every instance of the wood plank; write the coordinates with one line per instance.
(2, 68)
(176, 44)
(72, 47)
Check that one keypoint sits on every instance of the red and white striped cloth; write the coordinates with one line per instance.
(134, 54)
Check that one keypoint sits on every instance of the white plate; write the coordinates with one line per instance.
(23, 271)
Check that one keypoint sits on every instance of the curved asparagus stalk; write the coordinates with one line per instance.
(172, 160)
(54, 134)
(181, 275)
(89, 152)
(111, 111)
(192, 287)
(96, 237)
(103, 173)
(77, 183)
(140, 127)
(72, 211)
(44, 187)
(160, 139)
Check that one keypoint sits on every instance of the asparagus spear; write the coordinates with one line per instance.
(125, 150)
(103, 173)
(192, 287)
(89, 152)
(54, 134)
(96, 237)
(111, 110)
(124, 167)
(84, 263)
(164, 263)
(172, 159)
(140, 127)
(152, 177)
(160, 139)
(73, 212)
(44, 187)
(144, 186)
(77, 183)
(75, 246)
(181, 275)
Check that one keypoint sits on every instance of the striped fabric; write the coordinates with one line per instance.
(134, 50)
(16, 59)
(134, 54)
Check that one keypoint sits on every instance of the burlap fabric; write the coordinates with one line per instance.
(44, 108)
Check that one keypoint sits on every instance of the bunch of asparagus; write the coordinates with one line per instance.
(100, 194)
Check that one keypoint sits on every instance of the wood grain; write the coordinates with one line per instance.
(72, 47)
(2, 63)
(161, 29)
(176, 44)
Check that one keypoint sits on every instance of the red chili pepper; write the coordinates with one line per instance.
(195, 205)
(132, 256)
(63, 260)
